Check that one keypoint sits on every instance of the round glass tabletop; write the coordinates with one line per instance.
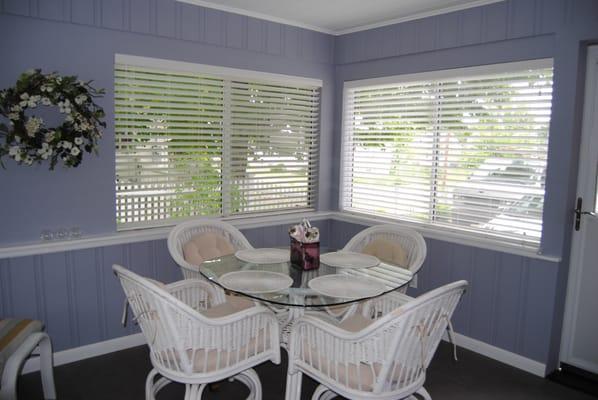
(285, 284)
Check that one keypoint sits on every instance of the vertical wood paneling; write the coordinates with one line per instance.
(274, 38)
(40, 296)
(389, 41)
(22, 281)
(462, 268)
(292, 41)
(189, 21)
(255, 236)
(495, 21)
(471, 26)
(448, 31)
(256, 35)
(508, 288)
(407, 42)
(481, 318)
(236, 31)
(5, 289)
(58, 10)
(215, 25)
(165, 18)
(140, 16)
(551, 14)
(167, 270)
(57, 284)
(101, 293)
(82, 12)
(85, 283)
(114, 295)
(539, 307)
(522, 18)
(426, 34)
(17, 7)
(113, 13)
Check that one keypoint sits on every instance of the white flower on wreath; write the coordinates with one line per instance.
(69, 118)
(75, 151)
(66, 145)
(14, 116)
(32, 125)
(65, 106)
(78, 140)
(24, 96)
(50, 135)
(80, 99)
(14, 150)
(17, 156)
(46, 101)
(16, 108)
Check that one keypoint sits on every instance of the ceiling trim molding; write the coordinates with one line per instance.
(241, 11)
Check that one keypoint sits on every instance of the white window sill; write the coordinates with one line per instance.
(142, 235)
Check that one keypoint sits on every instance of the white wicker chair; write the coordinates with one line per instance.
(194, 340)
(411, 241)
(182, 233)
(18, 340)
(383, 359)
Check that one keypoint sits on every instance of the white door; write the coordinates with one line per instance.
(579, 346)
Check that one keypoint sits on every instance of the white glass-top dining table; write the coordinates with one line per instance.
(285, 284)
(291, 291)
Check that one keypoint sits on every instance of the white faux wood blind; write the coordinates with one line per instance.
(274, 141)
(189, 144)
(466, 154)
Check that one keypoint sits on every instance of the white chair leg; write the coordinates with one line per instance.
(293, 389)
(323, 393)
(250, 378)
(46, 366)
(194, 392)
(424, 393)
(14, 365)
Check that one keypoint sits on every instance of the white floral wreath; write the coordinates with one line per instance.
(28, 140)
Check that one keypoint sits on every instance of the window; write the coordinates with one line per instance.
(204, 141)
(462, 150)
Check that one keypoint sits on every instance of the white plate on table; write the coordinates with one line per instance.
(255, 282)
(349, 259)
(346, 286)
(264, 256)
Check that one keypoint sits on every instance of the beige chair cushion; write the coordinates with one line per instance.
(355, 323)
(13, 332)
(360, 376)
(233, 304)
(387, 251)
(205, 361)
(206, 246)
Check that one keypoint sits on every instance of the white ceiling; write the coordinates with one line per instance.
(339, 16)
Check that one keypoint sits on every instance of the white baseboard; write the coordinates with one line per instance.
(125, 342)
(88, 351)
(501, 355)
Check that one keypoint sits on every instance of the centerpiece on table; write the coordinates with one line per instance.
(27, 138)
(305, 245)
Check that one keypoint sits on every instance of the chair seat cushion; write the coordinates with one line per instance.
(355, 323)
(206, 246)
(387, 251)
(13, 332)
(233, 304)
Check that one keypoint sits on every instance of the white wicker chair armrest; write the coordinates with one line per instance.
(197, 294)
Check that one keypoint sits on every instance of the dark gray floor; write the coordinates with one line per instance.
(122, 375)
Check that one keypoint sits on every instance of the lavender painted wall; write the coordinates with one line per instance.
(81, 38)
(512, 30)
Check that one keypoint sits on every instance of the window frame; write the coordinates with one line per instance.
(438, 231)
(226, 73)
